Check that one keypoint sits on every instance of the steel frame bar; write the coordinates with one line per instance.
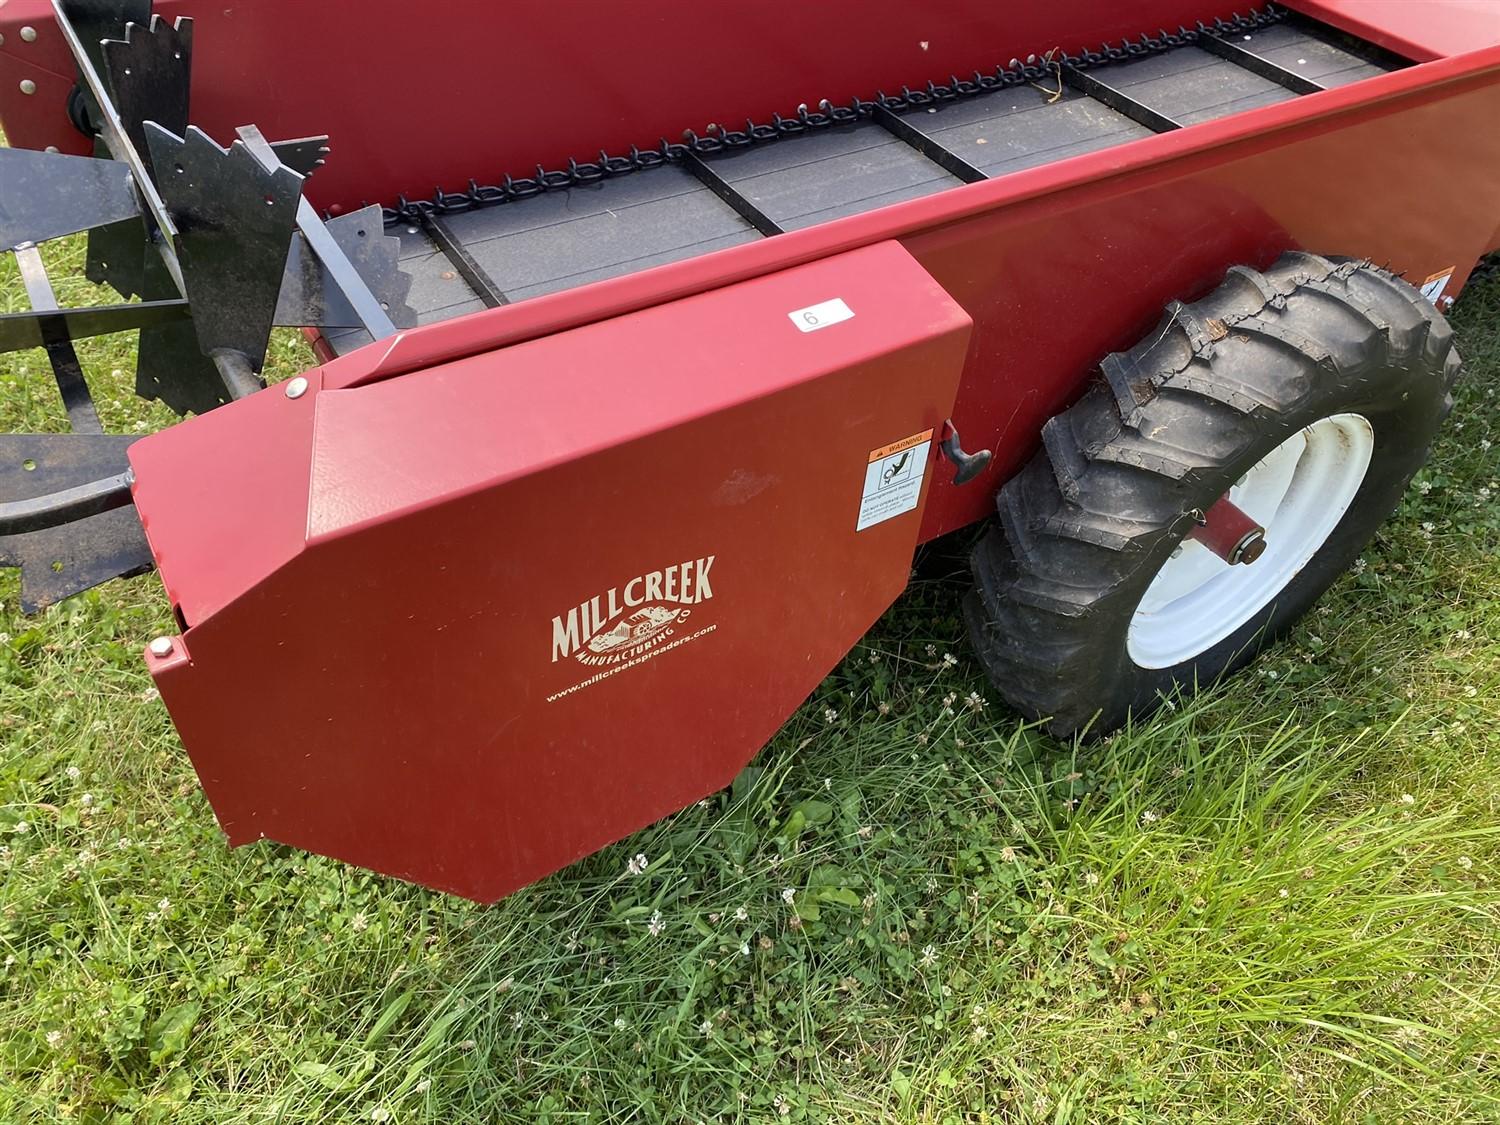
(944, 158)
(71, 385)
(19, 517)
(1116, 99)
(1259, 64)
(726, 191)
(468, 269)
(33, 330)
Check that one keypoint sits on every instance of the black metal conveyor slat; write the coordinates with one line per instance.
(728, 188)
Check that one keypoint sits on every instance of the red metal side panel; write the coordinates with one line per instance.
(417, 95)
(549, 594)
(1422, 30)
(1061, 264)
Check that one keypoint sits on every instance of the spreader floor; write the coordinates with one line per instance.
(564, 238)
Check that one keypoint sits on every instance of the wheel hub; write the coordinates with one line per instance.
(1277, 516)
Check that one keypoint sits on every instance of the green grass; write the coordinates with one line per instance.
(1276, 902)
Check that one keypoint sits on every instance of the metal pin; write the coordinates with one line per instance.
(28, 86)
(161, 647)
(296, 388)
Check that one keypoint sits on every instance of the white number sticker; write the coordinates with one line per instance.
(822, 315)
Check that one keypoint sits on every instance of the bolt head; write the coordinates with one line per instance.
(28, 35)
(1447, 302)
(28, 86)
(296, 388)
(161, 647)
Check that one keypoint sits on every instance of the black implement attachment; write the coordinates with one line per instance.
(219, 243)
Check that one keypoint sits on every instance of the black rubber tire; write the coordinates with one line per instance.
(1174, 421)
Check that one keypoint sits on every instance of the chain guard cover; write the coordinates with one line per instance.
(510, 609)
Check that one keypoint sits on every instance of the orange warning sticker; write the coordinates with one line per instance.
(893, 479)
(899, 446)
(1433, 287)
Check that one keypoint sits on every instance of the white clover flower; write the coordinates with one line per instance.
(949, 660)
(656, 926)
(865, 831)
(883, 708)
(620, 1024)
(1008, 855)
(744, 949)
(1408, 799)
(1424, 487)
(164, 908)
(54, 1039)
(1465, 862)
(380, 1113)
(788, 894)
(1149, 817)
(86, 800)
(929, 956)
(359, 922)
(20, 828)
(830, 715)
(931, 650)
(73, 772)
(706, 1028)
(741, 914)
(1091, 879)
(423, 1086)
(636, 864)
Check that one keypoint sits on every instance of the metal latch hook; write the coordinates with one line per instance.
(967, 465)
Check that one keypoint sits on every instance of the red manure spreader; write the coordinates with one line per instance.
(653, 339)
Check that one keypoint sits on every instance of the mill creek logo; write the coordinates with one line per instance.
(627, 621)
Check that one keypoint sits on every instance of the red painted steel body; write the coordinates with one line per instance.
(419, 715)
(393, 548)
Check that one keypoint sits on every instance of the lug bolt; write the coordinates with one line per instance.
(161, 647)
(296, 388)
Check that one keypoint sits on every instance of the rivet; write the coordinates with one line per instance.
(1448, 302)
(53, 149)
(296, 388)
(161, 647)
(28, 86)
(28, 35)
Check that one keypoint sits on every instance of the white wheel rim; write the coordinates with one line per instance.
(1298, 493)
